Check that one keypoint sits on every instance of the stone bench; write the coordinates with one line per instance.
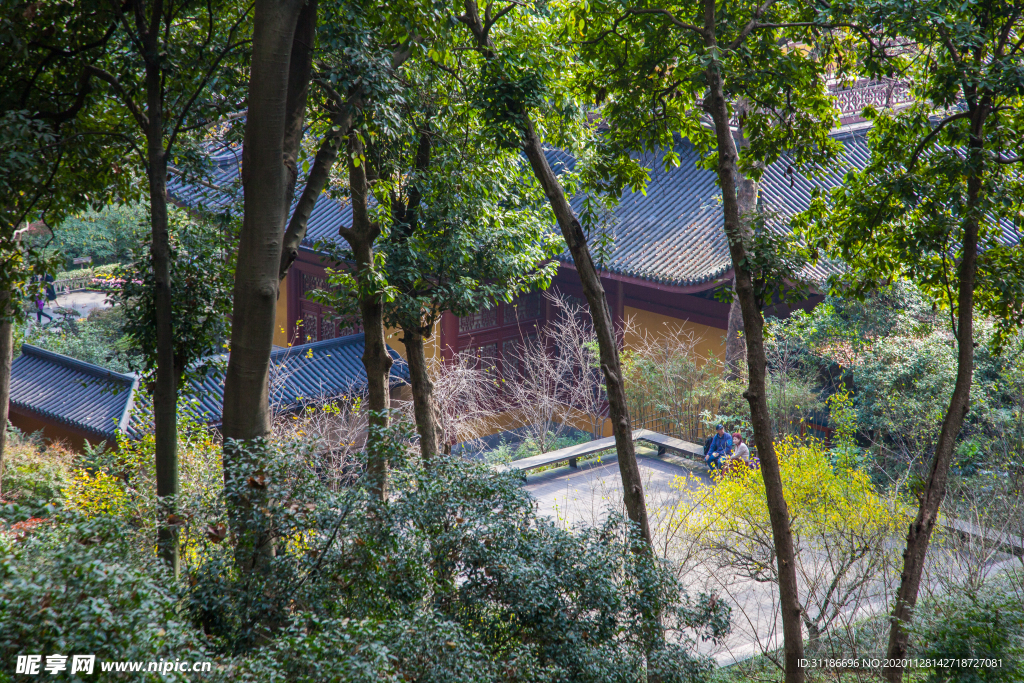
(572, 453)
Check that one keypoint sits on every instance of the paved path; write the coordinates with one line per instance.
(583, 496)
(83, 302)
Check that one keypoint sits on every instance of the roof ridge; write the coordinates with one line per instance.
(84, 366)
(323, 343)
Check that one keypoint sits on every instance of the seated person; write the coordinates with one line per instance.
(721, 446)
(742, 454)
(739, 447)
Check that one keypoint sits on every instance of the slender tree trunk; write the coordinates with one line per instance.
(753, 328)
(604, 330)
(597, 300)
(746, 204)
(735, 343)
(919, 534)
(376, 359)
(265, 187)
(422, 395)
(342, 115)
(319, 175)
(300, 65)
(165, 387)
(6, 358)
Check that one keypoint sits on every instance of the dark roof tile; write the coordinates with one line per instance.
(670, 234)
(298, 374)
(72, 392)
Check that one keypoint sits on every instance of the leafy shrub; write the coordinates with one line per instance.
(99, 339)
(79, 586)
(505, 452)
(454, 576)
(106, 235)
(986, 623)
(34, 472)
(313, 649)
(202, 253)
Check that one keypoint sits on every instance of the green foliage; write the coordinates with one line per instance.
(944, 174)
(985, 623)
(34, 472)
(507, 94)
(89, 593)
(108, 235)
(647, 69)
(461, 226)
(51, 163)
(844, 419)
(431, 584)
(506, 452)
(895, 357)
(100, 338)
(202, 276)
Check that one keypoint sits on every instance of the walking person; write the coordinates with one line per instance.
(40, 305)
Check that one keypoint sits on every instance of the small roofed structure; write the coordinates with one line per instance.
(79, 402)
(69, 399)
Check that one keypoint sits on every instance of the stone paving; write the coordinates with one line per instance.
(583, 496)
(84, 302)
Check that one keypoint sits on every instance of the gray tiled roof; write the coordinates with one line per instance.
(221, 188)
(72, 392)
(326, 369)
(91, 398)
(672, 234)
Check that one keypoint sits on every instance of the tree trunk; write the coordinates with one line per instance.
(597, 300)
(753, 328)
(265, 186)
(735, 345)
(746, 205)
(316, 181)
(299, 68)
(6, 358)
(376, 359)
(326, 156)
(422, 395)
(165, 386)
(604, 330)
(919, 534)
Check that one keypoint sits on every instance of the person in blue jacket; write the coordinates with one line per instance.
(721, 446)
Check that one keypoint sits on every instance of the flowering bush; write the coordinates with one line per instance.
(107, 282)
(843, 530)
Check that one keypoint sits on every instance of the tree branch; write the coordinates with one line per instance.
(935, 131)
(751, 25)
(115, 84)
(671, 17)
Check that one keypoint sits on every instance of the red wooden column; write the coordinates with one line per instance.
(449, 334)
(616, 301)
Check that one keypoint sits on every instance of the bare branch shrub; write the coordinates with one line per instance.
(552, 381)
(793, 398)
(333, 424)
(465, 399)
(669, 384)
